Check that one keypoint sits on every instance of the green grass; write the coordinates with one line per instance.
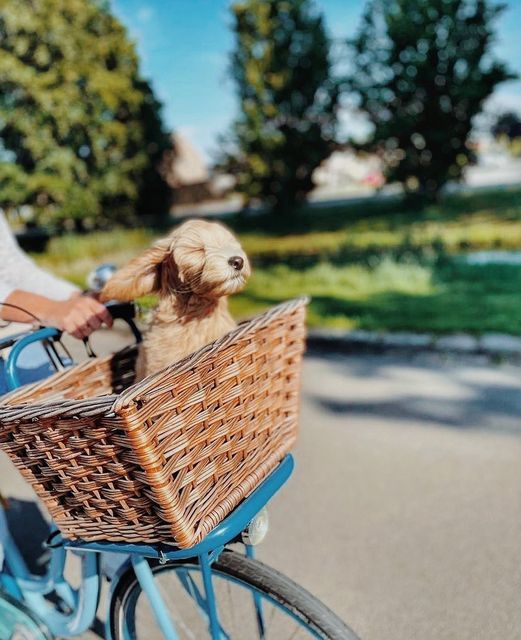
(375, 266)
(72, 256)
(394, 296)
(477, 221)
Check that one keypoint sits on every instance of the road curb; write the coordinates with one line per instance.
(493, 345)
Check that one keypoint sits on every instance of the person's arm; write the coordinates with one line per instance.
(19, 271)
(53, 301)
(78, 315)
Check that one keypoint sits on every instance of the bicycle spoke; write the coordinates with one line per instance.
(231, 609)
(180, 624)
(295, 632)
(272, 615)
(257, 605)
(245, 611)
(189, 585)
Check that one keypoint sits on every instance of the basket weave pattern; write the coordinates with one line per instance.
(168, 458)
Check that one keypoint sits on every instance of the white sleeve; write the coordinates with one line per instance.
(18, 271)
(5, 291)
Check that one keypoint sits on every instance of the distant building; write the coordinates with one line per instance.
(187, 172)
(345, 168)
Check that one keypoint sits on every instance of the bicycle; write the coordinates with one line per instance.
(207, 590)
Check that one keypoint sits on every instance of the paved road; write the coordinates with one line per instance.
(407, 497)
(404, 513)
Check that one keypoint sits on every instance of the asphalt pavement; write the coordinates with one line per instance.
(404, 512)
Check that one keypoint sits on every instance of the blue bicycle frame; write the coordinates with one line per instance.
(19, 583)
(82, 603)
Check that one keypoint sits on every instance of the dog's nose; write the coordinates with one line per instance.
(236, 262)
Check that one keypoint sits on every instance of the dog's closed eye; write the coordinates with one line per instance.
(194, 270)
(189, 261)
(198, 256)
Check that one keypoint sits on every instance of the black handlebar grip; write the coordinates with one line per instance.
(125, 311)
(121, 310)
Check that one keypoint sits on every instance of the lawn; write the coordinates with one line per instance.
(375, 265)
(397, 296)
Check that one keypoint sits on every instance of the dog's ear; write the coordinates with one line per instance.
(140, 276)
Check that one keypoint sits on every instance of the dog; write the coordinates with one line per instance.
(193, 270)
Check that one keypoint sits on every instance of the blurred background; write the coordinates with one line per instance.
(368, 153)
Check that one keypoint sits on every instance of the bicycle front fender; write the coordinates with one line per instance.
(80, 619)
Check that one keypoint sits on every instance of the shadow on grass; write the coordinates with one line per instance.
(437, 313)
(505, 203)
(351, 254)
(465, 298)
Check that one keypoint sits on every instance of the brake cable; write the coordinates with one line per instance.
(15, 306)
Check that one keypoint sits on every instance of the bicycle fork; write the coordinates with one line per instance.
(207, 604)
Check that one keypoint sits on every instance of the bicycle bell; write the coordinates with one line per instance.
(99, 276)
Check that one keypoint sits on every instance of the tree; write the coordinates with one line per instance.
(421, 71)
(80, 131)
(507, 124)
(155, 195)
(288, 100)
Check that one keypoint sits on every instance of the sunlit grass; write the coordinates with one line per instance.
(476, 231)
(376, 267)
(350, 282)
(394, 296)
(72, 256)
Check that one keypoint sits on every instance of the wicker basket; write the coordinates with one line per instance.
(166, 459)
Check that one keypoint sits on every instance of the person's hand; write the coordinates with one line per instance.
(79, 316)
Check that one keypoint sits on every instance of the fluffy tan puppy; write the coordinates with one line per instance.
(193, 270)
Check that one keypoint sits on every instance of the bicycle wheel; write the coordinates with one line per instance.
(18, 623)
(253, 601)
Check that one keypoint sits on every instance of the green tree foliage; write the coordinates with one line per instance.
(508, 125)
(154, 197)
(421, 71)
(288, 100)
(80, 131)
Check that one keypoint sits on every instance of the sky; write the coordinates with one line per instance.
(184, 47)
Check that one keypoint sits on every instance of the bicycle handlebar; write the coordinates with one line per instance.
(47, 333)
(118, 310)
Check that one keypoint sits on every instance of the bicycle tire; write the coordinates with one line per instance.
(254, 575)
(18, 621)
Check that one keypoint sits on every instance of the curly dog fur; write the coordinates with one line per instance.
(193, 270)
